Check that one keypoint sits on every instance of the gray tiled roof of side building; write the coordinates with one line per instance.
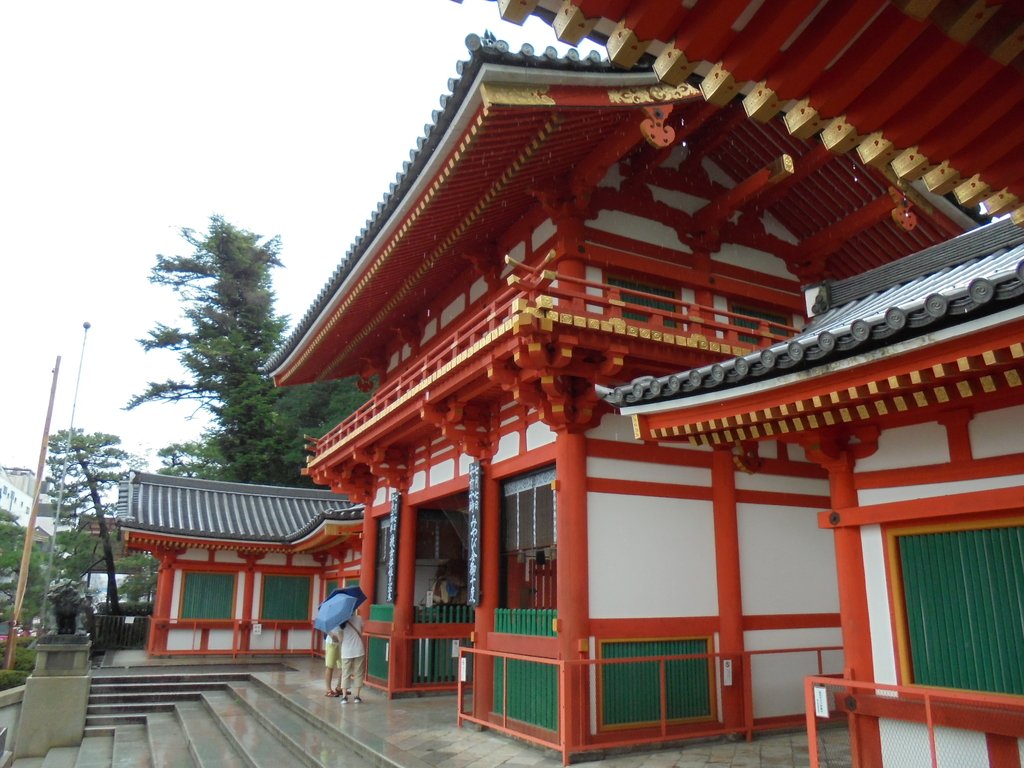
(214, 509)
(977, 272)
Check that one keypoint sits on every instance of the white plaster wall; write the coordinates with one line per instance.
(762, 481)
(870, 496)
(220, 640)
(227, 556)
(637, 228)
(997, 433)
(477, 289)
(787, 563)
(508, 447)
(773, 227)
(419, 481)
(614, 427)
(464, 463)
(267, 640)
(879, 619)
(453, 310)
(379, 497)
(914, 446)
(194, 554)
(906, 743)
(394, 360)
(182, 640)
(538, 434)
(517, 252)
(176, 595)
(240, 595)
(650, 472)
(429, 331)
(303, 560)
(257, 595)
(678, 200)
(650, 557)
(300, 638)
(778, 678)
(442, 472)
(274, 558)
(544, 232)
(749, 258)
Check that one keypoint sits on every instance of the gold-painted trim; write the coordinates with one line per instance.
(653, 95)
(500, 95)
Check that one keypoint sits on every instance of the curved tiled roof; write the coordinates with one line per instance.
(213, 509)
(978, 272)
(481, 52)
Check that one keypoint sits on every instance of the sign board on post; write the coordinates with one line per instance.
(392, 562)
(473, 545)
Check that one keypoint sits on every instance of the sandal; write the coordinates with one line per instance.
(332, 694)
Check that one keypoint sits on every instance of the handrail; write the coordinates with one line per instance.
(592, 300)
(994, 714)
(574, 673)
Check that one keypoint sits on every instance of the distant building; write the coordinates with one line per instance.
(16, 489)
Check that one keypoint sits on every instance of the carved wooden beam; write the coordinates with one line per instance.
(725, 205)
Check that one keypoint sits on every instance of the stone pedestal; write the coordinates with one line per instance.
(56, 696)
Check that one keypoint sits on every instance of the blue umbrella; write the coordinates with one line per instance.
(333, 611)
(355, 592)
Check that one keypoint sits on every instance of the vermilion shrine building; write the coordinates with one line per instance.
(564, 224)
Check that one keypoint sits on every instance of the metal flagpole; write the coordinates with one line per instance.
(26, 552)
(63, 474)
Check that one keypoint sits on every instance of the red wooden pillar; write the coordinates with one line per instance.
(162, 610)
(368, 560)
(853, 608)
(400, 665)
(573, 590)
(730, 595)
(244, 640)
(490, 585)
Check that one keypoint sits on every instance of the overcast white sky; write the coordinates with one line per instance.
(121, 122)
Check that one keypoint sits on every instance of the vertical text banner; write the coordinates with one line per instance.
(396, 504)
(473, 575)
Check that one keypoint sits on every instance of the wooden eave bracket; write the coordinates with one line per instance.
(570, 24)
(516, 11)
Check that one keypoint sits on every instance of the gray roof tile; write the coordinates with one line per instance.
(214, 509)
(977, 272)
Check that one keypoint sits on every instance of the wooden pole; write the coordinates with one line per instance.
(26, 553)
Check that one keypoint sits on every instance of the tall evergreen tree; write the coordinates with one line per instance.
(232, 329)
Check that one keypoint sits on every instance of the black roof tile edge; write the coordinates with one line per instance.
(481, 53)
(223, 486)
(859, 326)
(346, 515)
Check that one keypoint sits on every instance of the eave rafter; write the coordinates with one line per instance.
(885, 78)
(959, 382)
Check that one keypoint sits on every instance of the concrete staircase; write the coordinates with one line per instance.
(214, 720)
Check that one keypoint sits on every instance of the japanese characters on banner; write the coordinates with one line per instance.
(473, 575)
(396, 504)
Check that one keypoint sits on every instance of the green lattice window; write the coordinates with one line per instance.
(645, 301)
(963, 593)
(208, 596)
(756, 315)
(285, 598)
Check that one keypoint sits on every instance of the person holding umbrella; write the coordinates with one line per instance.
(353, 658)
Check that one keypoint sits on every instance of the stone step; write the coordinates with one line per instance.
(319, 744)
(106, 689)
(96, 751)
(260, 746)
(132, 698)
(131, 747)
(167, 742)
(116, 714)
(209, 746)
(170, 678)
(60, 757)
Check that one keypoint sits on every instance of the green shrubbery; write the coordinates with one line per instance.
(24, 663)
(12, 678)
